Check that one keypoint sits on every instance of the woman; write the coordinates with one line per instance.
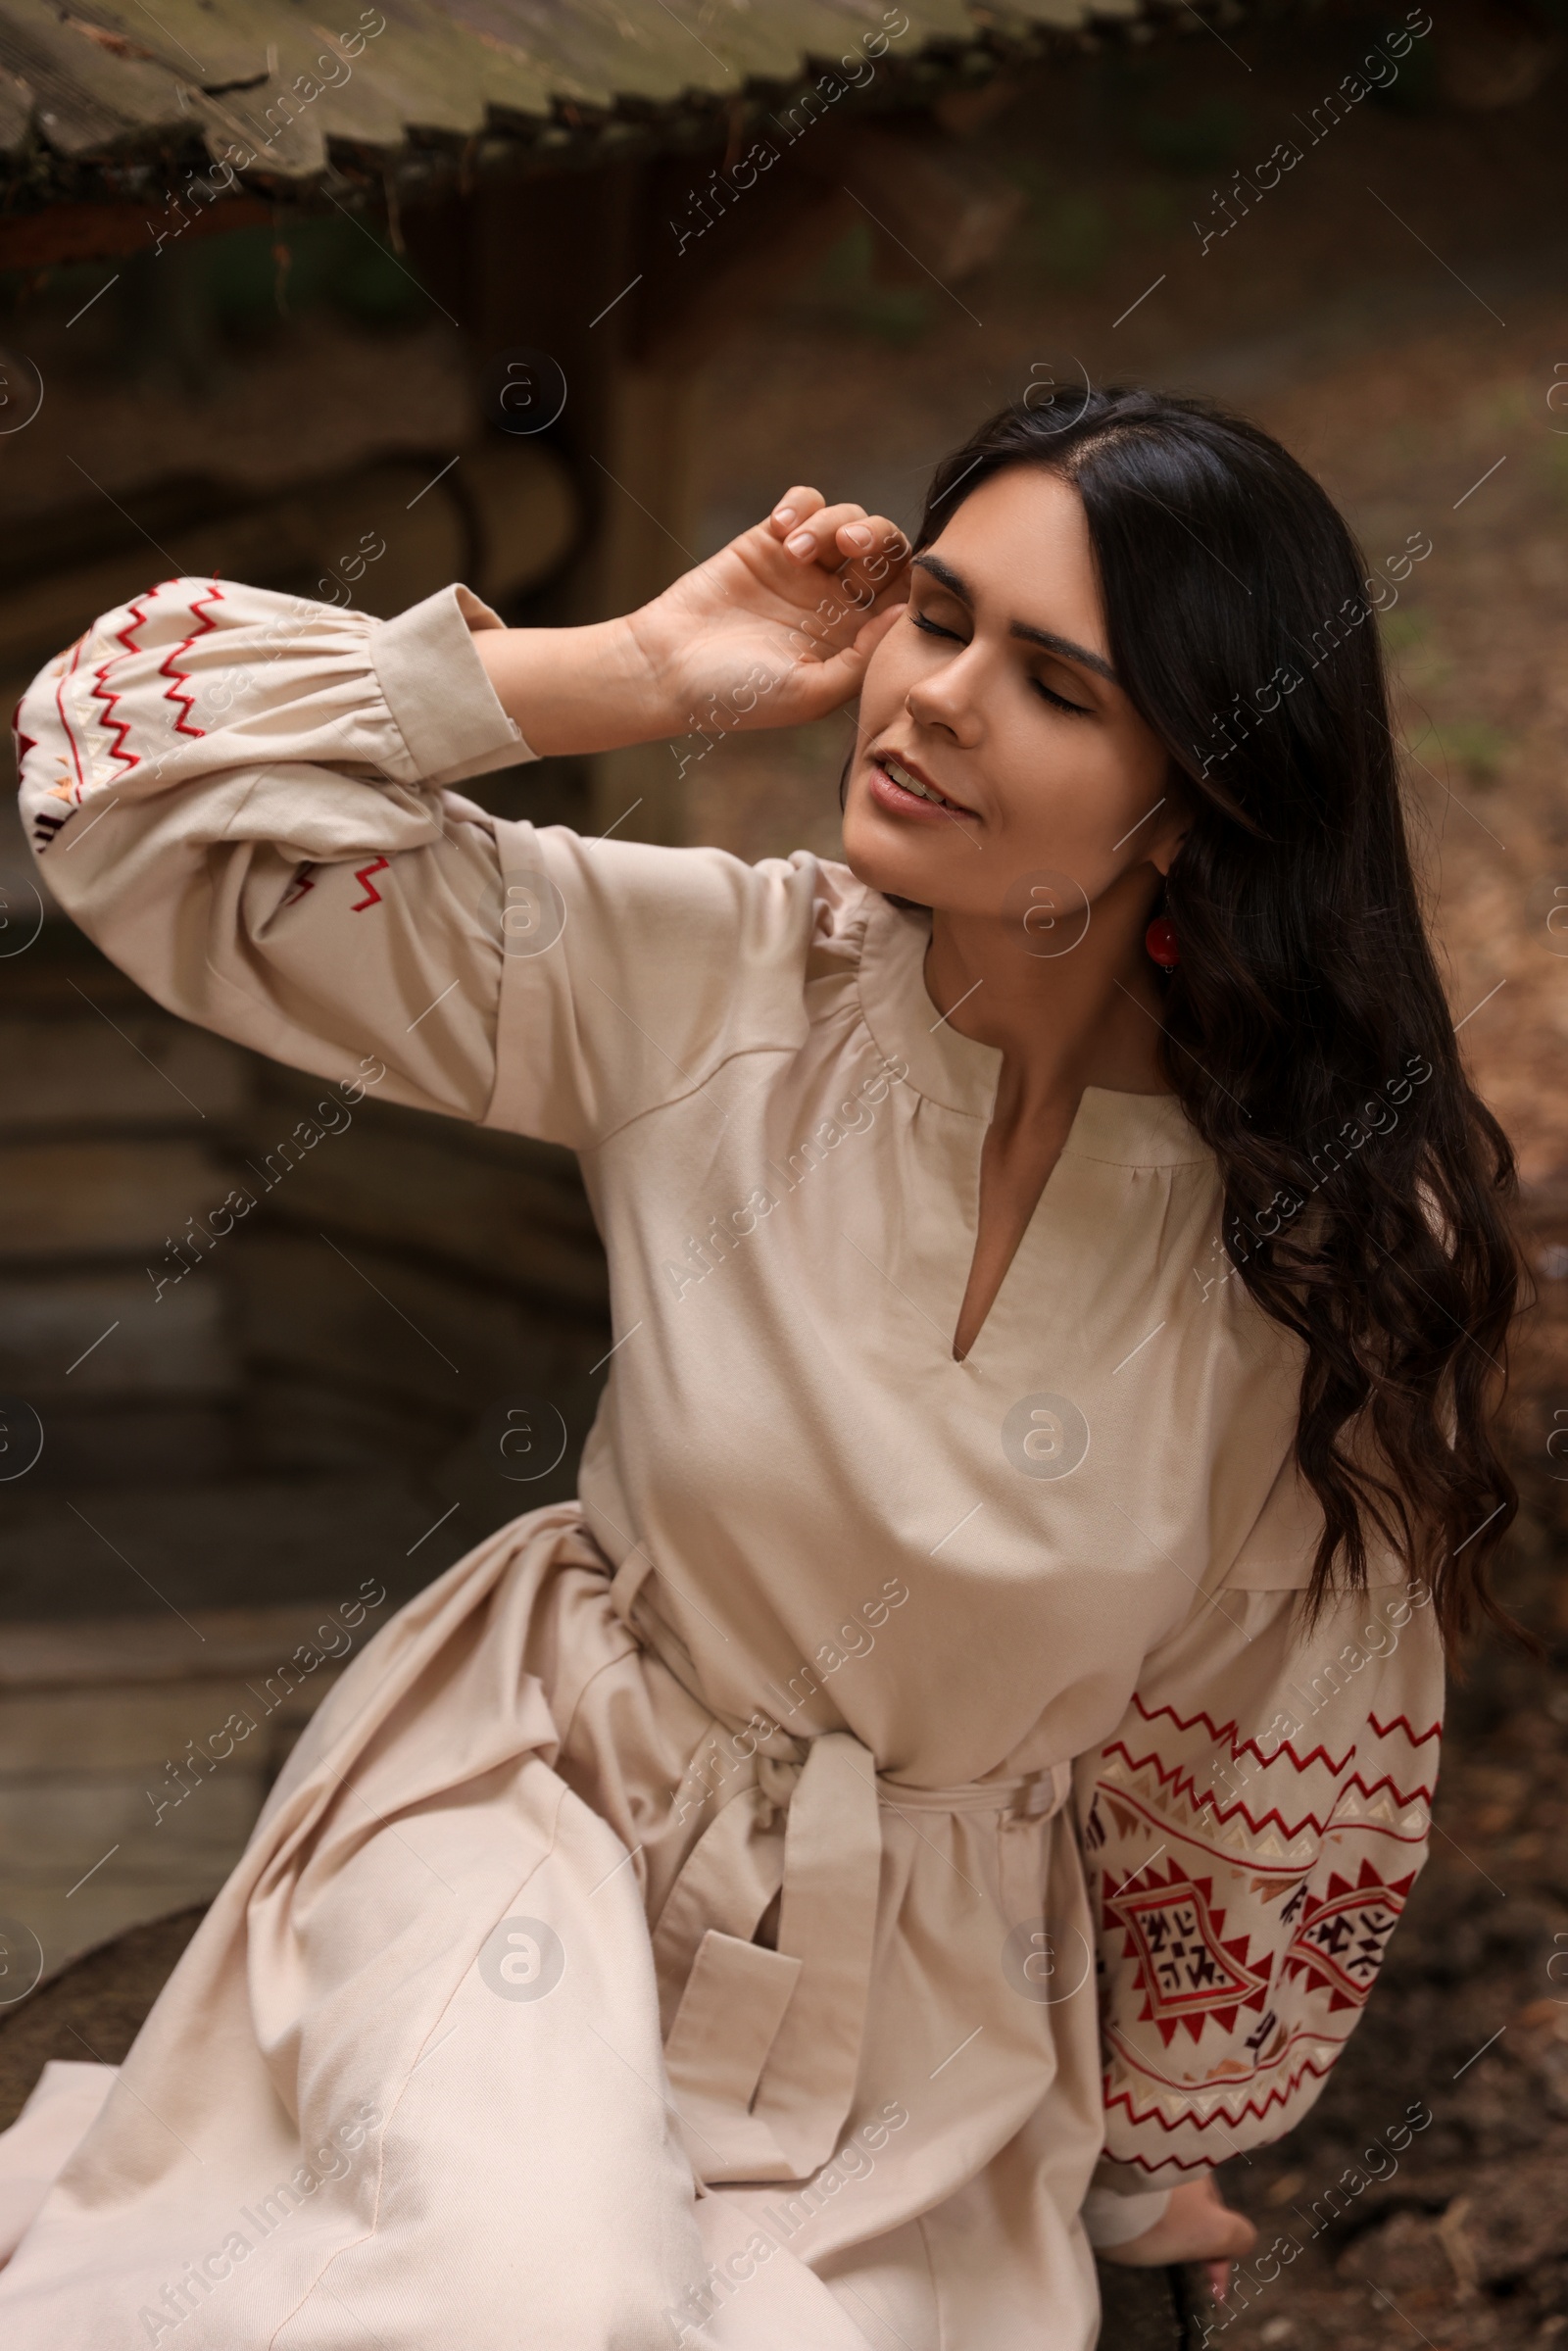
(954, 1775)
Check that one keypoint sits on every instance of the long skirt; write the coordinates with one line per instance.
(465, 2055)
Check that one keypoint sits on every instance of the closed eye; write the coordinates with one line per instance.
(1079, 710)
(931, 629)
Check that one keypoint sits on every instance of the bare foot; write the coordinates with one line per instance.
(1196, 2226)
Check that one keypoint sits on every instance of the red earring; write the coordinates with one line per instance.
(1160, 941)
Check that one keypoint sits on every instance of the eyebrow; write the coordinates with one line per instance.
(1046, 637)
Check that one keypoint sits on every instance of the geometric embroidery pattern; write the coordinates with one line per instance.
(1340, 1943)
(1187, 1969)
(1245, 1887)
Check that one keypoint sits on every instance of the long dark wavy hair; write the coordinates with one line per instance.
(1366, 1185)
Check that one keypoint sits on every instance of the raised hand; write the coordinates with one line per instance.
(776, 627)
(773, 630)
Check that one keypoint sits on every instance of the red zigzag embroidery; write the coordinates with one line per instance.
(180, 678)
(363, 877)
(1275, 2095)
(102, 693)
(1226, 1732)
(1179, 1781)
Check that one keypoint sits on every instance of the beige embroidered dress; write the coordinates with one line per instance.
(752, 1908)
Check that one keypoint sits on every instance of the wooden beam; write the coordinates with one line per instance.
(90, 232)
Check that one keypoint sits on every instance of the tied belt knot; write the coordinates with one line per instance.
(762, 2043)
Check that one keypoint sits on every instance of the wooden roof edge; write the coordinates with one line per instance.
(147, 189)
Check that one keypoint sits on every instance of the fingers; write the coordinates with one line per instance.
(834, 534)
(847, 666)
(879, 556)
(813, 539)
(870, 535)
(796, 507)
(868, 553)
(820, 686)
(871, 636)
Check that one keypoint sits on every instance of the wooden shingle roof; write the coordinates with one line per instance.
(99, 98)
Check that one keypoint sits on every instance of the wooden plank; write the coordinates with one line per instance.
(597, 53)
(90, 100)
(529, 512)
(255, 67)
(257, 82)
(72, 1070)
(85, 232)
(590, 55)
(16, 115)
(434, 68)
(350, 82)
(295, 110)
(650, 521)
(37, 620)
(214, 1644)
(100, 1198)
(247, 1539)
(294, 148)
(442, 79)
(1068, 15)
(72, 1735)
(209, 44)
(70, 1341)
(425, 1209)
(525, 503)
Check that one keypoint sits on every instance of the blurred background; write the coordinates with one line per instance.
(554, 299)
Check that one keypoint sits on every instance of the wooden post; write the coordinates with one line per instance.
(629, 276)
(647, 537)
(551, 265)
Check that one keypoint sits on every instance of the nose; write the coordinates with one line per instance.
(946, 700)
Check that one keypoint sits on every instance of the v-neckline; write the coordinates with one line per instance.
(960, 1074)
(1025, 1231)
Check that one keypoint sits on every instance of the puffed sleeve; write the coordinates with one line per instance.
(243, 798)
(1251, 1832)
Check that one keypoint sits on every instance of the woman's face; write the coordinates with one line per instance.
(994, 690)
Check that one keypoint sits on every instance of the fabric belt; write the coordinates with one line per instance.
(763, 2046)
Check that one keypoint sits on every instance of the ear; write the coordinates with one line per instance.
(1166, 849)
(1167, 846)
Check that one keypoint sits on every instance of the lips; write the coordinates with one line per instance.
(910, 779)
